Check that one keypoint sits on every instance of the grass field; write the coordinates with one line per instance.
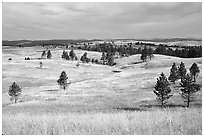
(98, 100)
(168, 121)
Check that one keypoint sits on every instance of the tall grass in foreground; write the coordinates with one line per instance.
(167, 121)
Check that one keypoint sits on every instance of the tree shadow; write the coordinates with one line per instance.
(165, 106)
(130, 109)
(137, 62)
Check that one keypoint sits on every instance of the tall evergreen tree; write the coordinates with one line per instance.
(64, 54)
(14, 91)
(162, 89)
(173, 74)
(84, 58)
(189, 88)
(110, 59)
(103, 57)
(72, 54)
(40, 65)
(43, 55)
(194, 70)
(182, 70)
(49, 55)
(62, 81)
(144, 54)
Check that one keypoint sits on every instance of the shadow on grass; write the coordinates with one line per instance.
(130, 109)
(165, 106)
(197, 105)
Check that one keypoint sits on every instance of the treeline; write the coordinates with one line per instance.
(137, 48)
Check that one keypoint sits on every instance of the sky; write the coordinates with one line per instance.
(101, 20)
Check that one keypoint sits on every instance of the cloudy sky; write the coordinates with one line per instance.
(101, 20)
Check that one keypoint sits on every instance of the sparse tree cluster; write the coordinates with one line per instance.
(107, 58)
(188, 84)
(47, 55)
(71, 56)
(146, 53)
(27, 58)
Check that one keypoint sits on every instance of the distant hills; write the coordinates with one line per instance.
(73, 41)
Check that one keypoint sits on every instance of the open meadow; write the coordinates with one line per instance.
(100, 99)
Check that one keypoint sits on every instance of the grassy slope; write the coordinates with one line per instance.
(93, 87)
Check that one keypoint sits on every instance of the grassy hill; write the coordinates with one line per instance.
(97, 93)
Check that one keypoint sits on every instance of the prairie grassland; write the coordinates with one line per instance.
(168, 121)
(98, 100)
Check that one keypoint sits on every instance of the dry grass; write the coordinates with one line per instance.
(169, 121)
(45, 109)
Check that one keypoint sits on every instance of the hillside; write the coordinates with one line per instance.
(120, 98)
(92, 87)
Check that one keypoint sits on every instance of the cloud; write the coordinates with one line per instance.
(50, 12)
(101, 20)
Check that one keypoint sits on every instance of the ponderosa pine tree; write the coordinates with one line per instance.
(43, 55)
(62, 81)
(189, 88)
(72, 54)
(40, 65)
(144, 54)
(194, 70)
(162, 89)
(103, 57)
(14, 92)
(182, 70)
(84, 58)
(173, 73)
(49, 55)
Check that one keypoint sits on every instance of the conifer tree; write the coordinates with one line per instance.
(110, 59)
(62, 81)
(182, 70)
(43, 54)
(84, 57)
(173, 73)
(162, 89)
(194, 70)
(14, 91)
(64, 54)
(41, 65)
(72, 54)
(49, 55)
(189, 88)
(103, 57)
(144, 54)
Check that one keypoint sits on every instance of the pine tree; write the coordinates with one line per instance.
(62, 81)
(49, 55)
(103, 57)
(182, 70)
(194, 70)
(63, 54)
(189, 88)
(84, 57)
(72, 54)
(173, 73)
(43, 54)
(110, 59)
(14, 91)
(41, 65)
(162, 89)
(150, 53)
(144, 54)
